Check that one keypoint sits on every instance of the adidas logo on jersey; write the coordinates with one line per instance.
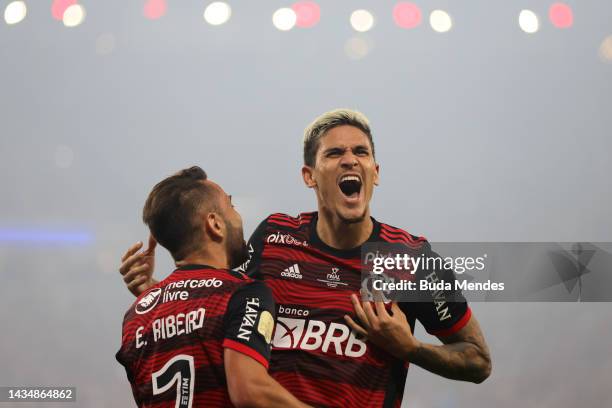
(292, 272)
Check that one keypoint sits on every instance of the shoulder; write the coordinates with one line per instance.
(389, 233)
(254, 292)
(255, 286)
(288, 221)
(202, 282)
(144, 302)
(281, 222)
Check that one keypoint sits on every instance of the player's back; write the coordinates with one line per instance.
(173, 337)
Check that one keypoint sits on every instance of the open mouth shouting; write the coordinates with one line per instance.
(350, 185)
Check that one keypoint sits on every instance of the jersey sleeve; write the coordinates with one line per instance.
(255, 246)
(249, 321)
(443, 312)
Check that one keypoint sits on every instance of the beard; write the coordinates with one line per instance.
(235, 246)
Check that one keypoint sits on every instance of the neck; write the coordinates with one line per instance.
(213, 257)
(340, 234)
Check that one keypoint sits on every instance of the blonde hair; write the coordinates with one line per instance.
(338, 117)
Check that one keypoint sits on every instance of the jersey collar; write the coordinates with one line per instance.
(341, 253)
(194, 267)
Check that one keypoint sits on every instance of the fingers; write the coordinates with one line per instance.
(359, 311)
(131, 251)
(135, 273)
(381, 312)
(395, 308)
(152, 245)
(397, 312)
(370, 315)
(129, 262)
(133, 285)
(355, 327)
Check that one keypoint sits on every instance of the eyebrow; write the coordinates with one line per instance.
(341, 149)
(362, 147)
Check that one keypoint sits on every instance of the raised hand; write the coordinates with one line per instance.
(137, 267)
(389, 331)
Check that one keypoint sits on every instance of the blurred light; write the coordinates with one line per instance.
(63, 156)
(284, 19)
(308, 13)
(59, 7)
(561, 15)
(362, 20)
(105, 44)
(106, 260)
(357, 48)
(74, 15)
(440, 21)
(42, 236)
(217, 13)
(407, 15)
(154, 9)
(605, 49)
(528, 21)
(15, 12)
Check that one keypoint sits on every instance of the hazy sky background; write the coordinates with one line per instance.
(483, 133)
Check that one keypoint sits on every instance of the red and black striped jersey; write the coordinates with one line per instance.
(315, 354)
(174, 335)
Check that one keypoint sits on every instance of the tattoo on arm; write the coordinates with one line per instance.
(463, 356)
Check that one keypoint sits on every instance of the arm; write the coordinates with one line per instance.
(464, 356)
(250, 385)
(247, 349)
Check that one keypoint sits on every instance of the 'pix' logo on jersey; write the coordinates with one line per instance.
(148, 301)
(288, 239)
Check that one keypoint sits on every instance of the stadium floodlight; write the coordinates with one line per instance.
(15, 12)
(561, 15)
(74, 15)
(440, 21)
(217, 13)
(308, 13)
(529, 22)
(58, 7)
(362, 20)
(407, 15)
(284, 19)
(155, 9)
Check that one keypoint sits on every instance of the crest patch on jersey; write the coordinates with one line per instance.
(266, 325)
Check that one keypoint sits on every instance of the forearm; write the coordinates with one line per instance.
(250, 385)
(458, 361)
(272, 394)
(264, 392)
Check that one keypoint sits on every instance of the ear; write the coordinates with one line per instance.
(215, 226)
(308, 176)
(376, 177)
